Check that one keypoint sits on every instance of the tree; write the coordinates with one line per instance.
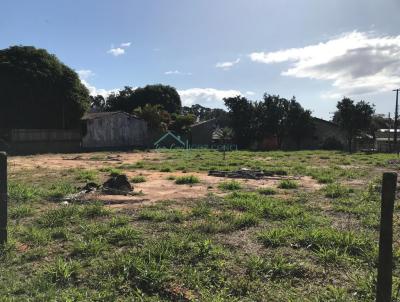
(353, 118)
(155, 115)
(225, 135)
(299, 123)
(181, 123)
(98, 103)
(129, 99)
(38, 91)
(272, 114)
(241, 115)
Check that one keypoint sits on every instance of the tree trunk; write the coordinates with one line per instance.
(349, 140)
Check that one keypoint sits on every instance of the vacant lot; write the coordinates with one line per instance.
(309, 234)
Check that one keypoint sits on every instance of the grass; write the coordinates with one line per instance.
(230, 185)
(187, 180)
(288, 184)
(254, 244)
(138, 179)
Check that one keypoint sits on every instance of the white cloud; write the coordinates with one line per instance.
(356, 63)
(251, 93)
(98, 91)
(118, 51)
(227, 65)
(85, 73)
(176, 72)
(208, 97)
(127, 44)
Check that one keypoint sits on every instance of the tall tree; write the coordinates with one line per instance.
(241, 115)
(300, 124)
(353, 118)
(155, 115)
(129, 99)
(181, 123)
(38, 91)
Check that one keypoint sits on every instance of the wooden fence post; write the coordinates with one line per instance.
(3, 198)
(384, 282)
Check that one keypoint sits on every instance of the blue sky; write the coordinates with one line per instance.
(316, 50)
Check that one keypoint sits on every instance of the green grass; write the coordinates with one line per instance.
(257, 244)
(229, 185)
(267, 191)
(138, 179)
(187, 180)
(288, 184)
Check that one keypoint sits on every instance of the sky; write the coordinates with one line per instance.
(315, 50)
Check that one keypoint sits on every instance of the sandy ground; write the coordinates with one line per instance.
(156, 188)
(82, 160)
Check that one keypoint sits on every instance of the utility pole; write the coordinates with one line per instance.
(396, 121)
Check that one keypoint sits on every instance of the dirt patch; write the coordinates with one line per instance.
(82, 161)
(158, 188)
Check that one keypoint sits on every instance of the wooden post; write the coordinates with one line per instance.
(3, 198)
(384, 282)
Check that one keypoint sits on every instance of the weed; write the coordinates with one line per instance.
(267, 191)
(190, 179)
(138, 179)
(288, 184)
(230, 185)
(336, 190)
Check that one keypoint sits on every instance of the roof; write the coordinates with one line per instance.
(203, 122)
(325, 121)
(96, 115)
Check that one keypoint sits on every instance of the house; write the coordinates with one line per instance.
(206, 133)
(384, 140)
(325, 132)
(118, 129)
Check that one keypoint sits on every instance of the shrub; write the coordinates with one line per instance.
(336, 190)
(332, 143)
(288, 184)
(138, 179)
(266, 191)
(230, 185)
(190, 179)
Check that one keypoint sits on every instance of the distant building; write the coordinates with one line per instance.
(206, 133)
(117, 129)
(384, 140)
(324, 132)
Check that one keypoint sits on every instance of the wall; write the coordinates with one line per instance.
(31, 141)
(115, 130)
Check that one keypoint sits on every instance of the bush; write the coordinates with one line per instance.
(230, 185)
(138, 179)
(288, 184)
(266, 191)
(332, 143)
(190, 179)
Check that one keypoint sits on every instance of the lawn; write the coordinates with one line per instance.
(309, 235)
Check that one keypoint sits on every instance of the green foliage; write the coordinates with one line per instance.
(128, 99)
(230, 185)
(19, 192)
(336, 190)
(288, 184)
(267, 191)
(51, 93)
(138, 179)
(190, 179)
(353, 118)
